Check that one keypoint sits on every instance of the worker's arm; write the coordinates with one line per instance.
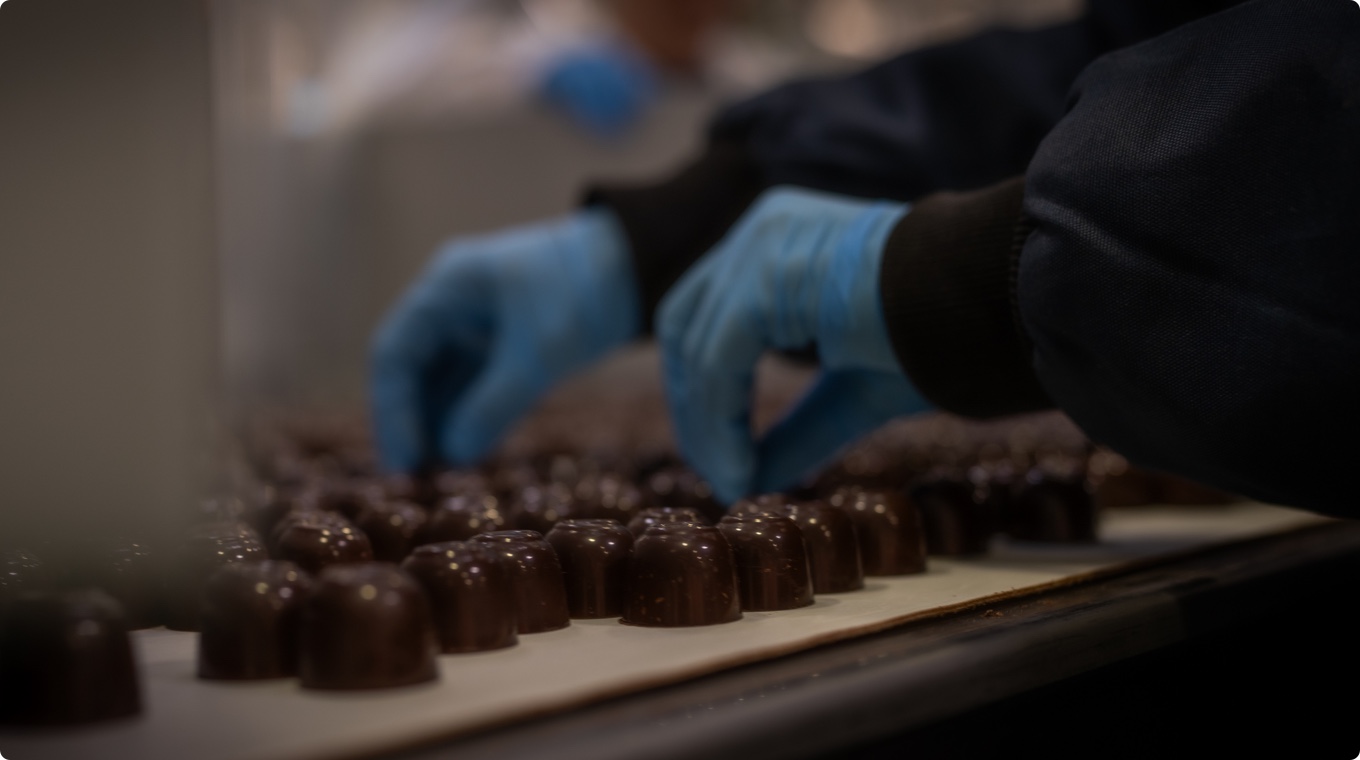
(1177, 269)
(957, 116)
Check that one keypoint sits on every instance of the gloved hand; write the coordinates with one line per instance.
(493, 323)
(605, 88)
(800, 267)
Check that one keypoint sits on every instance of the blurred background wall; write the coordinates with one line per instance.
(356, 135)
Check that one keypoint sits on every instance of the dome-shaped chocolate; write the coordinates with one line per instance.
(459, 518)
(471, 597)
(204, 550)
(539, 589)
(594, 556)
(681, 574)
(956, 524)
(771, 561)
(366, 626)
(251, 617)
(315, 545)
(833, 547)
(1052, 508)
(891, 540)
(306, 516)
(65, 659)
(391, 528)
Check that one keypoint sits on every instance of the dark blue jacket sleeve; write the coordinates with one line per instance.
(1174, 261)
(1178, 268)
(1191, 287)
(956, 116)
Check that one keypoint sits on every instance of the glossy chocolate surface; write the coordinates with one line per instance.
(681, 574)
(891, 539)
(833, 547)
(366, 626)
(315, 546)
(594, 556)
(66, 659)
(307, 516)
(771, 561)
(459, 518)
(654, 515)
(955, 522)
(470, 595)
(1052, 509)
(199, 554)
(391, 528)
(251, 619)
(537, 584)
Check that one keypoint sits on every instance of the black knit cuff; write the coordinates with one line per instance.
(672, 223)
(947, 283)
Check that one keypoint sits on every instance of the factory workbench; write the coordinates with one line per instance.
(1223, 650)
(852, 674)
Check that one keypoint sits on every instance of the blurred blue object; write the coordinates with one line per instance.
(494, 322)
(799, 268)
(604, 88)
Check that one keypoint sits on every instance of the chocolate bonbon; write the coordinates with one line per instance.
(65, 658)
(314, 546)
(891, 539)
(391, 528)
(459, 518)
(199, 554)
(771, 561)
(681, 574)
(1053, 509)
(307, 516)
(471, 597)
(594, 556)
(366, 626)
(833, 547)
(538, 588)
(251, 618)
(955, 522)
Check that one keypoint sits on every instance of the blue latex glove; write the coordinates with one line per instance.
(493, 323)
(604, 88)
(800, 267)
